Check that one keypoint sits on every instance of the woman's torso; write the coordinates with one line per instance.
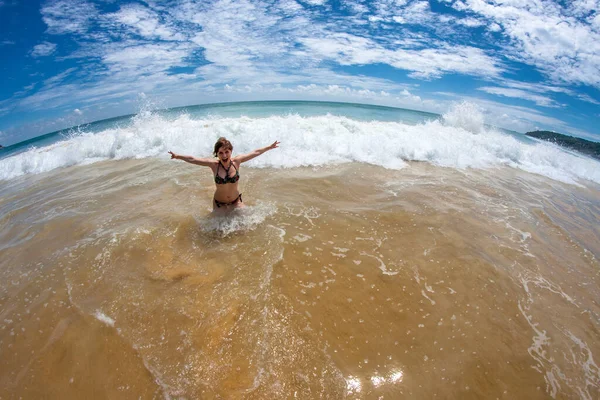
(226, 192)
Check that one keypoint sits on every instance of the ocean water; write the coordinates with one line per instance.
(383, 253)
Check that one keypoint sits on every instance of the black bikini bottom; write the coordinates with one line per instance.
(219, 204)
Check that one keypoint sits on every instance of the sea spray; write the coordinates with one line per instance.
(240, 220)
(465, 115)
(459, 140)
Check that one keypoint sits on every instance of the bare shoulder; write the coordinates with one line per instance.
(212, 164)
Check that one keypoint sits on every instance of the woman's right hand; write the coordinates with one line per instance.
(173, 155)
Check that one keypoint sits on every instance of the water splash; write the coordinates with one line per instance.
(238, 220)
(460, 140)
(465, 115)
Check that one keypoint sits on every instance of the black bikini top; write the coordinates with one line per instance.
(227, 178)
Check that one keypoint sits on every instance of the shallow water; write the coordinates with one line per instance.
(344, 281)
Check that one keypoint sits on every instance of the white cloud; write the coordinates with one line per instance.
(428, 63)
(386, 8)
(43, 49)
(316, 2)
(56, 96)
(68, 16)
(544, 88)
(77, 111)
(472, 23)
(545, 34)
(145, 22)
(139, 59)
(417, 12)
(59, 78)
(535, 87)
(583, 8)
(494, 27)
(354, 6)
(586, 98)
(521, 94)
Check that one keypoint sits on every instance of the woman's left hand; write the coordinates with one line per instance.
(274, 145)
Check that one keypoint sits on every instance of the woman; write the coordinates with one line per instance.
(226, 171)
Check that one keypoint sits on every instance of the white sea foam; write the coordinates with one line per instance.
(100, 316)
(459, 140)
(465, 115)
(241, 219)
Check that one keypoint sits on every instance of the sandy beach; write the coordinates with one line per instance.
(347, 281)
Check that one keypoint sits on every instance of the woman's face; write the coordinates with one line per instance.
(224, 154)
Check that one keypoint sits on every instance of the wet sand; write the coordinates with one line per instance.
(348, 281)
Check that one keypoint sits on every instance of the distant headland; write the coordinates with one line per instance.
(581, 145)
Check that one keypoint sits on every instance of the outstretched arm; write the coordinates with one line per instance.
(205, 162)
(246, 157)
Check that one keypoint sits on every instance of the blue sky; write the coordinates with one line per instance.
(527, 63)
